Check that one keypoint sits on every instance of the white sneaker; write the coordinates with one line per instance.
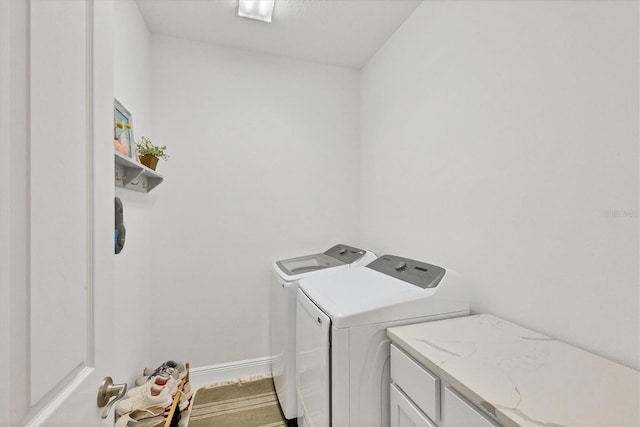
(186, 391)
(158, 382)
(185, 396)
(141, 417)
(161, 398)
(168, 368)
(149, 372)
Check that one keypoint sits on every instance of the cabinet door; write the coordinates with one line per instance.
(457, 412)
(404, 413)
(416, 382)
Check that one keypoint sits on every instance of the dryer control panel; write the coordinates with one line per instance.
(415, 272)
(346, 254)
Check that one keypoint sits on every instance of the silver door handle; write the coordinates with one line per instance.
(106, 392)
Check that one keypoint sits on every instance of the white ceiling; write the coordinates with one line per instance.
(338, 32)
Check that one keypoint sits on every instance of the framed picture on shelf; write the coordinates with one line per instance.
(123, 141)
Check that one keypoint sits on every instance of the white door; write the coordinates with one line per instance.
(313, 348)
(56, 210)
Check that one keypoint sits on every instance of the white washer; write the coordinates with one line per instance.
(284, 284)
(342, 346)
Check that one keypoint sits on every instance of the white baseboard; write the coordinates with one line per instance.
(205, 375)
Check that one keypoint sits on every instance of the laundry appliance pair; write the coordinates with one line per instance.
(341, 347)
(285, 276)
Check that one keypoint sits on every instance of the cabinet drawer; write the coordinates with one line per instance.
(404, 413)
(417, 382)
(456, 411)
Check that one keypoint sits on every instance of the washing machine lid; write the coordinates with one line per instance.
(364, 296)
(306, 264)
(337, 256)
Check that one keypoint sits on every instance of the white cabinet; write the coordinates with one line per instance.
(420, 398)
(417, 382)
(457, 412)
(492, 371)
(404, 413)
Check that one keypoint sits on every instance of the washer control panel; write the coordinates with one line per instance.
(417, 273)
(346, 254)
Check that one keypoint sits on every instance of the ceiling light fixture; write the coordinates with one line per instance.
(262, 10)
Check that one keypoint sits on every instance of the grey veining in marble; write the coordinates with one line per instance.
(522, 378)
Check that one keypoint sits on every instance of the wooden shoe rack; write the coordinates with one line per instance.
(176, 398)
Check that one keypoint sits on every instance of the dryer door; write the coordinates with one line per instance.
(312, 367)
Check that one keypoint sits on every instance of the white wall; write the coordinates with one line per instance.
(501, 139)
(133, 265)
(263, 166)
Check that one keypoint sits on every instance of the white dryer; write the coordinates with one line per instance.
(342, 346)
(284, 284)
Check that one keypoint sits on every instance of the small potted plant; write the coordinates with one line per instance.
(149, 153)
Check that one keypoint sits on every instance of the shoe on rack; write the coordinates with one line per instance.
(148, 373)
(158, 382)
(126, 421)
(187, 393)
(148, 422)
(168, 364)
(155, 398)
(185, 400)
(166, 368)
(141, 414)
(182, 370)
(156, 413)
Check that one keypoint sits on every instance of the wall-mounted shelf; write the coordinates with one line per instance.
(134, 176)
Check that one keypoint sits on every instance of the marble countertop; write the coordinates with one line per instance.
(523, 378)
